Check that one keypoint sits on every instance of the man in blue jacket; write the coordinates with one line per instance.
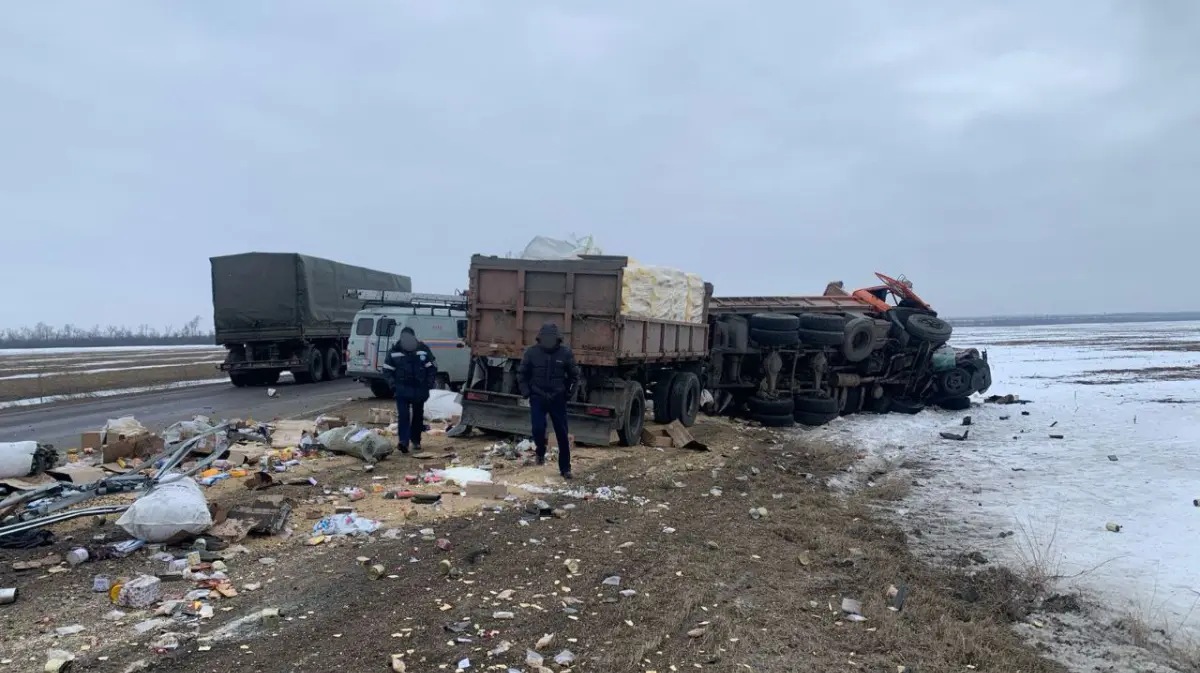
(548, 376)
(414, 373)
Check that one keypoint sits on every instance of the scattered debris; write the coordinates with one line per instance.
(1056, 436)
(1113, 527)
(959, 437)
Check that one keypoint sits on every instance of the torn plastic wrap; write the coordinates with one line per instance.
(173, 507)
(353, 440)
(544, 247)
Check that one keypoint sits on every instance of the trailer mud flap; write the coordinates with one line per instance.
(589, 423)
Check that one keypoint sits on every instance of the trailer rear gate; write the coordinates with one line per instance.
(512, 298)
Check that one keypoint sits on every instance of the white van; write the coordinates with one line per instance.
(438, 320)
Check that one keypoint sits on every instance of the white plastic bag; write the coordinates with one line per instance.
(542, 247)
(354, 440)
(186, 429)
(16, 459)
(345, 524)
(125, 425)
(173, 507)
(442, 405)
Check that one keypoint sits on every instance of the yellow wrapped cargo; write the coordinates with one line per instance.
(662, 293)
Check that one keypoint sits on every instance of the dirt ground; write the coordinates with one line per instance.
(702, 584)
(42, 375)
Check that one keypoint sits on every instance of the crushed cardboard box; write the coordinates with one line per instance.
(672, 435)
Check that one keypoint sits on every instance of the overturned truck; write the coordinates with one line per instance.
(655, 341)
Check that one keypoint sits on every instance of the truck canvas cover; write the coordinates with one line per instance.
(269, 291)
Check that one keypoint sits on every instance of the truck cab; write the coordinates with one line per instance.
(438, 320)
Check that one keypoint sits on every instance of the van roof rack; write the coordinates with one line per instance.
(414, 299)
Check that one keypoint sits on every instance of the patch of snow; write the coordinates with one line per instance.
(1057, 495)
(101, 349)
(35, 401)
(103, 370)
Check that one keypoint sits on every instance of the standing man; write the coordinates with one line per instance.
(548, 377)
(414, 374)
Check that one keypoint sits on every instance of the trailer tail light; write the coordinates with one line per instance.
(477, 397)
(602, 412)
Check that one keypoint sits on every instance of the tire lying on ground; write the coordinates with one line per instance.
(764, 337)
(955, 382)
(955, 403)
(928, 328)
(775, 322)
(858, 339)
(774, 421)
(770, 407)
(901, 405)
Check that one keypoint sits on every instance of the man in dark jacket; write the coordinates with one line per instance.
(414, 373)
(548, 377)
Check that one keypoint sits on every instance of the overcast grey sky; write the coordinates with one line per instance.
(1009, 157)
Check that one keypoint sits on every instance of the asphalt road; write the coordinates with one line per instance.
(61, 424)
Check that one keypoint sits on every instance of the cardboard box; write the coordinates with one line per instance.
(381, 415)
(486, 491)
(134, 446)
(91, 440)
(77, 474)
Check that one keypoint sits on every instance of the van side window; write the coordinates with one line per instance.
(363, 327)
(385, 328)
(462, 329)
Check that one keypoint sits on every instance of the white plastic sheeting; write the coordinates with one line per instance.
(442, 405)
(16, 459)
(173, 507)
(544, 247)
(662, 293)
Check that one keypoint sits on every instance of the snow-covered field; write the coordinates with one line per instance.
(1126, 399)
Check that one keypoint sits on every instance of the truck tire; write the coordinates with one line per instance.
(901, 405)
(316, 368)
(822, 322)
(929, 328)
(812, 419)
(333, 364)
(859, 339)
(239, 379)
(764, 337)
(684, 402)
(774, 420)
(662, 398)
(270, 377)
(381, 389)
(761, 406)
(955, 403)
(815, 403)
(955, 382)
(815, 338)
(634, 418)
(775, 322)
(881, 405)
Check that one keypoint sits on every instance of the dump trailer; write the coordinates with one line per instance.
(632, 328)
(277, 312)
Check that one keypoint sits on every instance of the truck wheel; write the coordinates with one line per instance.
(811, 418)
(630, 432)
(815, 403)
(239, 379)
(881, 405)
(685, 398)
(902, 405)
(859, 339)
(955, 403)
(269, 377)
(662, 398)
(764, 337)
(775, 322)
(822, 322)
(761, 406)
(774, 420)
(333, 364)
(816, 338)
(316, 368)
(929, 328)
(955, 383)
(381, 389)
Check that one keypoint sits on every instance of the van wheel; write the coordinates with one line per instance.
(662, 399)
(442, 382)
(634, 418)
(685, 398)
(381, 389)
(333, 364)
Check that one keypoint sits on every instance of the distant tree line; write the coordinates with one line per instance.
(70, 336)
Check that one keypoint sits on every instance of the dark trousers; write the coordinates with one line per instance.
(556, 408)
(410, 420)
